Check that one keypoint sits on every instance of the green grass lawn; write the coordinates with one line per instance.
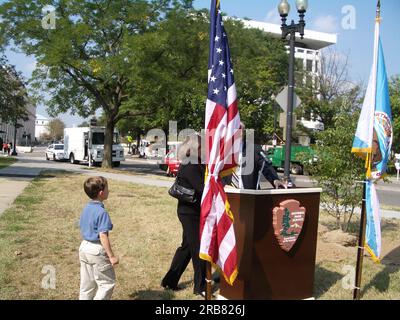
(41, 230)
(6, 161)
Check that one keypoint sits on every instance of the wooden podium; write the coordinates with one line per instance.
(266, 270)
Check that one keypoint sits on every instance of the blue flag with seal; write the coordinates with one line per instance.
(373, 230)
(373, 140)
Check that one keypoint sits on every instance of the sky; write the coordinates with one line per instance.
(355, 36)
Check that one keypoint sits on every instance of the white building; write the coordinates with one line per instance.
(41, 126)
(308, 50)
(25, 129)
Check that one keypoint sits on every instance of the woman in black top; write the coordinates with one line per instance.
(190, 175)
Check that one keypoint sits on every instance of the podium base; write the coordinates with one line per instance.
(269, 268)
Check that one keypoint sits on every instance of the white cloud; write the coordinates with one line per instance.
(273, 17)
(327, 23)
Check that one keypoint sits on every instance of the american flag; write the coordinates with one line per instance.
(223, 141)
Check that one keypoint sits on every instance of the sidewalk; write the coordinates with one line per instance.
(10, 189)
(13, 180)
(16, 177)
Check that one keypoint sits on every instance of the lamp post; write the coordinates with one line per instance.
(290, 30)
(274, 142)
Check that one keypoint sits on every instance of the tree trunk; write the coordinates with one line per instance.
(339, 226)
(108, 143)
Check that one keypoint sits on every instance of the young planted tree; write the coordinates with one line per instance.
(338, 170)
(335, 101)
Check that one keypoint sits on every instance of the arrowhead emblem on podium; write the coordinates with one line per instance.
(288, 220)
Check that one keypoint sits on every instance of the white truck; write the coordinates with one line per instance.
(80, 142)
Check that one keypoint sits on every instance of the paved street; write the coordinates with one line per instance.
(16, 177)
(388, 193)
(29, 165)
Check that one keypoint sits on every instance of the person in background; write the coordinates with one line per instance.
(246, 175)
(9, 148)
(5, 148)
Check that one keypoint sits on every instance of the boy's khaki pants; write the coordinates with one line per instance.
(96, 272)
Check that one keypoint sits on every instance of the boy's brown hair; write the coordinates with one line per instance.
(94, 185)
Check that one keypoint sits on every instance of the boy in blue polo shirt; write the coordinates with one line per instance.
(96, 256)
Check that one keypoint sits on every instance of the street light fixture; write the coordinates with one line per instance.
(290, 30)
(284, 8)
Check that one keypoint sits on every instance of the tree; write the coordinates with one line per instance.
(394, 91)
(83, 62)
(141, 61)
(175, 57)
(335, 101)
(173, 74)
(13, 95)
(56, 129)
(84, 124)
(337, 169)
(323, 94)
(286, 223)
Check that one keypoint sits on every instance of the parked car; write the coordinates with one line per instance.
(172, 162)
(55, 152)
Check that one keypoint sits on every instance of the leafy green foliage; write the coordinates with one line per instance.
(394, 90)
(338, 170)
(173, 74)
(13, 96)
(83, 63)
(56, 129)
(143, 62)
(261, 65)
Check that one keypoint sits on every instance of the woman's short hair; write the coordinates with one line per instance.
(189, 150)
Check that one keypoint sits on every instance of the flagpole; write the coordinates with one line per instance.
(208, 281)
(361, 242)
(363, 222)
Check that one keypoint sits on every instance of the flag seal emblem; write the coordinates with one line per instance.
(384, 122)
(288, 221)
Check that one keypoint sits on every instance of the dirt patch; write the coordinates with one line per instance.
(335, 245)
(334, 252)
(322, 229)
(340, 237)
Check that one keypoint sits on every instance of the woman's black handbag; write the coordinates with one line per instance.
(182, 193)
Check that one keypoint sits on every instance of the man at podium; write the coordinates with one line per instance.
(253, 164)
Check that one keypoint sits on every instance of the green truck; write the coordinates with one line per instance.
(298, 155)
